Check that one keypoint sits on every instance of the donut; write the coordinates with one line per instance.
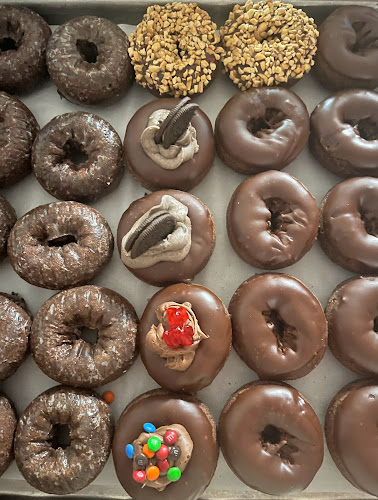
(267, 43)
(8, 422)
(23, 38)
(175, 362)
(166, 237)
(344, 133)
(181, 161)
(88, 61)
(279, 328)
(60, 245)
(15, 326)
(348, 49)
(351, 430)
(348, 225)
(63, 440)
(281, 436)
(175, 50)
(261, 129)
(18, 131)
(78, 156)
(272, 220)
(7, 221)
(181, 426)
(61, 352)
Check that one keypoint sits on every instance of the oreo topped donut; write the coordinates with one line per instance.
(8, 422)
(88, 61)
(7, 221)
(23, 39)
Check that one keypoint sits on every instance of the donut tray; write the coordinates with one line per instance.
(223, 274)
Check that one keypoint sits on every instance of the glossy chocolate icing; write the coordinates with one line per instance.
(281, 435)
(279, 328)
(151, 175)
(272, 220)
(212, 352)
(163, 408)
(344, 133)
(203, 239)
(347, 54)
(261, 129)
(348, 231)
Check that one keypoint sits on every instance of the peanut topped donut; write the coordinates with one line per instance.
(7, 221)
(268, 43)
(175, 50)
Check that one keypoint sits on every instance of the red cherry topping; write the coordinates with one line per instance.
(139, 476)
(178, 334)
(162, 453)
(170, 437)
(177, 316)
(163, 465)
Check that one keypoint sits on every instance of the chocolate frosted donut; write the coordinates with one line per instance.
(348, 48)
(344, 133)
(60, 245)
(261, 129)
(8, 422)
(61, 352)
(164, 410)
(7, 221)
(23, 39)
(348, 231)
(17, 133)
(181, 166)
(351, 433)
(78, 156)
(174, 363)
(282, 438)
(166, 237)
(279, 327)
(15, 325)
(272, 220)
(88, 61)
(63, 440)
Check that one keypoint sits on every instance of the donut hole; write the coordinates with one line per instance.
(7, 44)
(285, 334)
(370, 221)
(88, 50)
(271, 435)
(275, 442)
(89, 335)
(278, 221)
(60, 241)
(61, 436)
(368, 129)
(75, 153)
(364, 38)
(270, 121)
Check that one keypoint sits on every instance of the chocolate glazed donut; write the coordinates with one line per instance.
(279, 327)
(282, 435)
(261, 129)
(8, 422)
(348, 49)
(7, 221)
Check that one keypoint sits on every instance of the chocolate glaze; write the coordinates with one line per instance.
(279, 327)
(7, 221)
(151, 175)
(282, 438)
(348, 48)
(276, 237)
(351, 433)
(212, 352)
(348, 231)
(8, 422)
(203, 239)
(344, 133)
(261, 129)
(164, 408)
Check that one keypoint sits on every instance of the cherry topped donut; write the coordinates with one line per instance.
(261, 129)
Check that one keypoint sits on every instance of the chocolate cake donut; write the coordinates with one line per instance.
(60, 245)
(261, 129)
(344, 133)
(182, 432)
(279, 328)
(351, 430)
(282, 438)
(8, 422)
(348, 49)
(272, 220)
(183, 158)
(61, 352)
(17, 133)
(15, 325)
(7, 221)
(63, 440)
(23, 39)
(184, 337)
(166, 237)
(348, 231)
(88, 61)
(78, 156)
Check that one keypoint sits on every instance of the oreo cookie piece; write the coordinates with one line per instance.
(179, 123)
(154, 232)
(165, 123)
(133, 237)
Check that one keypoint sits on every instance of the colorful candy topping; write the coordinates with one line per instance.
(148, 452)
(130, 451)
(170, 437)
(154, 444)
(108, 397)
(174, 474)
(163, 465)
(178, 333)
(139, 476)
(153, 473)
(163, 452)
(149, 427)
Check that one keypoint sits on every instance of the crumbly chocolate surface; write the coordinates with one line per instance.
(8, 422)
(7, 221)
